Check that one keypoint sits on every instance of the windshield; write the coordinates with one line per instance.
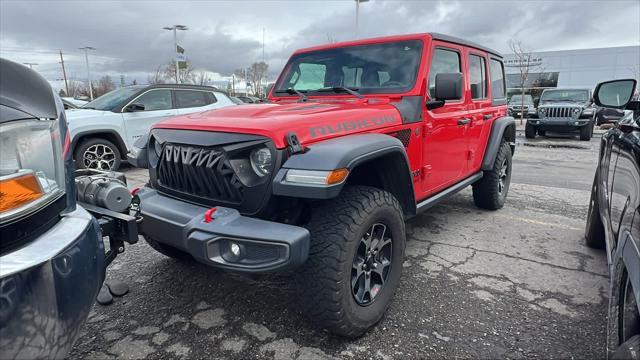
(565, 95)
(377, 68)
(112, 99)
(517, 99)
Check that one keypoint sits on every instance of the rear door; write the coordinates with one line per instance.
(445, 147)
(480, 110)
(158, 105)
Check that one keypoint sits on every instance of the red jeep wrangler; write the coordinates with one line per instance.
(359, 137)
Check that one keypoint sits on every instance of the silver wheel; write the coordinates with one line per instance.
(99, 157)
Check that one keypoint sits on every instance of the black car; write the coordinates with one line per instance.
(613, 220)
(563, 111)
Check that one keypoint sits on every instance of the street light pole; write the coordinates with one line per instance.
(358, 14)
(86, 59)
(175, 29)
(30, 64)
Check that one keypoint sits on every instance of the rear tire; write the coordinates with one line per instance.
(97, 153)
(361, 221)
(623, 328)
(168, 250)
(490, 192)
(529, 131)
(594, 232)
(586, 132)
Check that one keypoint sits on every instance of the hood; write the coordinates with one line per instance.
(562, 103)
(310, 121)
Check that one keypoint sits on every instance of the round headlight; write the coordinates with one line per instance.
(576, 110)
(261, 161)
(541, 111)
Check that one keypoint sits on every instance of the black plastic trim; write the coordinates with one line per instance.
(410, 108)
(445, 194)
(495, 139)
(122, 147)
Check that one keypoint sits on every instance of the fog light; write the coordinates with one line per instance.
(235, 249)
(576, 123)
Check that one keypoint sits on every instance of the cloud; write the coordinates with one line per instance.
(224, 36)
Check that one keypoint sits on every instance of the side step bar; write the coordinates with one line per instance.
(445, 194)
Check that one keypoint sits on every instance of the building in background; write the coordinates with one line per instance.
(582, 68)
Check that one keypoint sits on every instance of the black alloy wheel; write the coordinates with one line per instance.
(371, 264)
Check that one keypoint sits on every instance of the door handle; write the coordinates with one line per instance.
(487, 116)
(463, 121)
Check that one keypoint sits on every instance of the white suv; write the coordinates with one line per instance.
(103, 131)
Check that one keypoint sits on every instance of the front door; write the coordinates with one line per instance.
(158, 105)
(445, 147)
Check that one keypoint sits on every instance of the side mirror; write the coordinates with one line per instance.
(448, 87)
(614, 94)
(134, 107)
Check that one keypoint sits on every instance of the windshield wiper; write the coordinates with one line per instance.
(293, 91)
(86, 107)
(337, 89)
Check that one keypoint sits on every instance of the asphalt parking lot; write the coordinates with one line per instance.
(515, 283)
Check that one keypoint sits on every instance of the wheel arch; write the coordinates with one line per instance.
(377, 160)
(110, 135)
(503, 128)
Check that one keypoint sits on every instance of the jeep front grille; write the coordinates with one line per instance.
(559, 112)
(199, 171)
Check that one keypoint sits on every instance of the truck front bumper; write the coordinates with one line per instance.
(226, 240)
(48, 286)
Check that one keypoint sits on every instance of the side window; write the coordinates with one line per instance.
(497, 80)
(478, 77)
(311, 77)
(193, 98)
(155, 100)
(444, 61)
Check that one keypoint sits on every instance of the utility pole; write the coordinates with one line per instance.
(358, 13)
(30, 64)
(175, 29)
(262, 44)
(86, 59)
(64, 75)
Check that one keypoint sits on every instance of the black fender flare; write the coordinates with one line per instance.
(119, 142)
(350, 152)
(502, 128)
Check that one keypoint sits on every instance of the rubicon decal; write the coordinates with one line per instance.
(349, 125)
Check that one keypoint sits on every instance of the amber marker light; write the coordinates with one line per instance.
(337, 176)
(19, 190)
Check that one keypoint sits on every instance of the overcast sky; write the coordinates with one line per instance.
(226, 35)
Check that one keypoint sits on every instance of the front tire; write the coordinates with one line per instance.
(529, 131)
(97, 153)
(586, 132)
(490, 192)
(355, 260)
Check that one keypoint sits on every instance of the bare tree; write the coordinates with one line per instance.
(186, 73)
(201, 77)
(525, 65)
(77, 89)
(157, 77)
(104, 85)
(256, 73)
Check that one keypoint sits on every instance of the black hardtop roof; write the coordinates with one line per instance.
(456, 40)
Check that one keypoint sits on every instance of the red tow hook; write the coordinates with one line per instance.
(208, 215)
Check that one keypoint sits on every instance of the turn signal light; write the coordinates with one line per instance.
(18, 191)
(337, 176)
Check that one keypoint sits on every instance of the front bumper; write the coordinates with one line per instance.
(47, 288)
(559, 124)
(264, 246)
